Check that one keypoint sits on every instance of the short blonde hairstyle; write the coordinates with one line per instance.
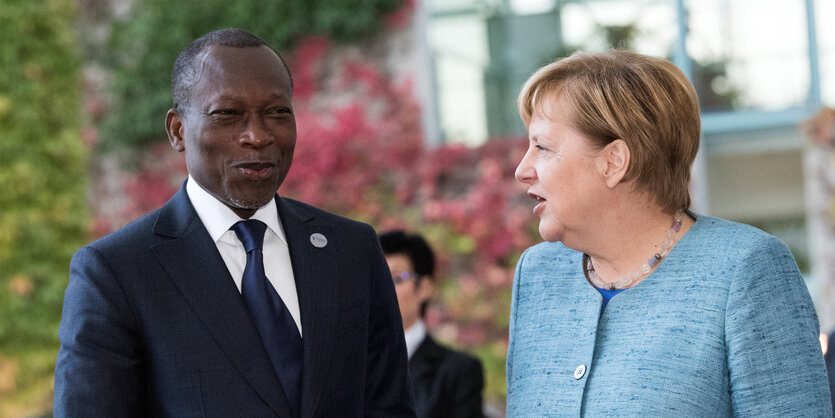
(645, 101)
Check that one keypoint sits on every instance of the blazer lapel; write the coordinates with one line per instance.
(196, 268)
(318, 298)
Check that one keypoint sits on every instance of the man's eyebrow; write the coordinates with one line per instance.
(227, 99)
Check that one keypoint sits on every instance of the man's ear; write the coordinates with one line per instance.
(174, 128)
(426, 288)
(616, 159)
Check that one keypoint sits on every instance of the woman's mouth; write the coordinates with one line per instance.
(541, 206)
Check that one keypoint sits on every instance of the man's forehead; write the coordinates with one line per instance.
(220, 56)
(400, 259)
(226, 62)
(231, 54)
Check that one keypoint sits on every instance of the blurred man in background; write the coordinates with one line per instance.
(447, 383)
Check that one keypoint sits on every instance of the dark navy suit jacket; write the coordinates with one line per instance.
(447, 383)
(153, 324)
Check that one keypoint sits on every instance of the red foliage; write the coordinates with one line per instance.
(401, 17)
(304, 63)
(360, 153)
(158, 179)
(345, 149)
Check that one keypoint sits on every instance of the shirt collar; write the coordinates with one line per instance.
(414, 337)
(218, 218)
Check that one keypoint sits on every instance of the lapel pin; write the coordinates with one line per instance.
(318, 240)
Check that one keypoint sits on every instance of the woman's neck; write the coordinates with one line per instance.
(629, 237)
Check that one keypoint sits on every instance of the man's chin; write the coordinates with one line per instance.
(248, 204)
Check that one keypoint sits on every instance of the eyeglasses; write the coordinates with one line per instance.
(403, 276)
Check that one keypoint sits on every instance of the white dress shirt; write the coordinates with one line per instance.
(218, 218)
(414, 337)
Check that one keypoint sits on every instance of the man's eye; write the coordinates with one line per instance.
(224, 115)
(223, 112)
(279, 111)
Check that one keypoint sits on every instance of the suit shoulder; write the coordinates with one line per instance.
(718, 226)
(467, 363)
(321, 214)
(135, 232)
(546, 255)
(728, 239)
(459, 358)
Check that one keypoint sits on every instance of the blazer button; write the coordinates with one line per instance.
(580, 371)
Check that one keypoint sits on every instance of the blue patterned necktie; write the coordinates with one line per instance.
(272, 319)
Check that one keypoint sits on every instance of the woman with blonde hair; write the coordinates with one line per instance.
(636, 305)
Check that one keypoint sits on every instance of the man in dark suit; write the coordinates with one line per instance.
(229, 300)
(447, 383)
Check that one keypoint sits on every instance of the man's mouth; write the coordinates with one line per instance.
(256, 170)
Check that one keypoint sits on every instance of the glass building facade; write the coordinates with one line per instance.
(760, 67)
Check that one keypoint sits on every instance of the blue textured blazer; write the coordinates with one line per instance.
(723, 327)
(153, 324)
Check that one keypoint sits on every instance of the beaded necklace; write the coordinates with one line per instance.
(630, 279)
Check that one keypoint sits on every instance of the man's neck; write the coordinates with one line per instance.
(415, 335)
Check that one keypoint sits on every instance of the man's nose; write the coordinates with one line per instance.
(256, 133)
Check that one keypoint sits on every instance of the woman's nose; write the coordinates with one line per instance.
(525, 172)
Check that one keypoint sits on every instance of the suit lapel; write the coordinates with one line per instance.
(424, 363)
(196, 268)
(314, 271)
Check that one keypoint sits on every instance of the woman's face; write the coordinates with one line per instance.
(564, 173)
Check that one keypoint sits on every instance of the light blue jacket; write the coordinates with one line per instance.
(723, 327)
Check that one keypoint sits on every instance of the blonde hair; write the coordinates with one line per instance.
(645, 101)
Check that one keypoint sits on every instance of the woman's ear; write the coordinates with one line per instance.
(616, 158)
(174, 128)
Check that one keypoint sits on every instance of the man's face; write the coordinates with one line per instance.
(238, 131)
(412, 292)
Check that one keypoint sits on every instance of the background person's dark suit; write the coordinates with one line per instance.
(447, 383)
(155, 326)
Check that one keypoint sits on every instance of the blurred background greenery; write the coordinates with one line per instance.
(406, 119)
(43, 170)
